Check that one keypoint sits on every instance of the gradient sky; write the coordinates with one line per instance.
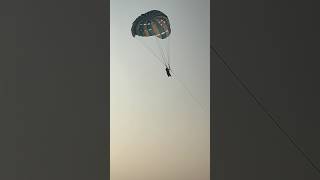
(159, 131)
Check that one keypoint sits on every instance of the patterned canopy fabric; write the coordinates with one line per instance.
(152, 23)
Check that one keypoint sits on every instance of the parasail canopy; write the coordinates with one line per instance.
(152, 23)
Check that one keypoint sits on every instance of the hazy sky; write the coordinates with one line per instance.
(159, 131)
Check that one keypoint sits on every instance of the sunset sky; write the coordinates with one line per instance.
(159, 131)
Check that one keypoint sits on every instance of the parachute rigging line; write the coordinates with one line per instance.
(169, 52)
(166, 51)
(265, 110)
(161, 51)
(153, 53)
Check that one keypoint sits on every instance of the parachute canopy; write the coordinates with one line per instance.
(152, 23)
